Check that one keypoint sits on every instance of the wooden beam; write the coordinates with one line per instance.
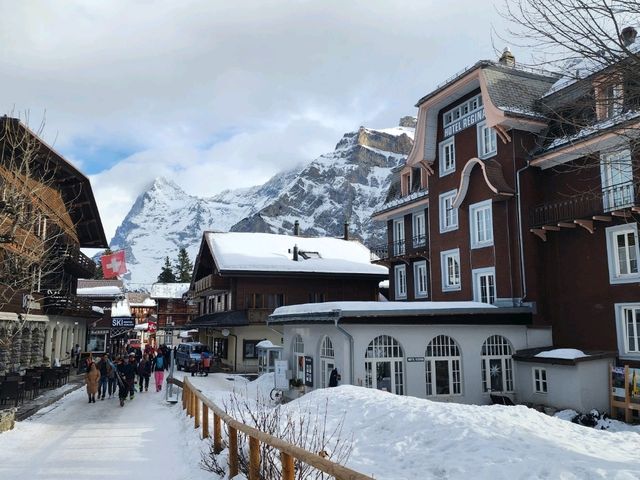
(602, 218)
(635, 209)
(539, 233)
(566, 225)
(621, 213)
(552, 228)
(586, 224)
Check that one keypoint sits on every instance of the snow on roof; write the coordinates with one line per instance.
(148, 302)
(108, 291)
(273, 253)
(384, 284)
(267, 344)
(562, 353)
(169, 290)
(97, 309)
(378, 307)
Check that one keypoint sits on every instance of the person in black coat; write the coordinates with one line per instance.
(129, 368)
(334, 378)
(121, 376)
(144, 373)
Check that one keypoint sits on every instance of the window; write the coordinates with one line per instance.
(539, 380)
(623, 253)
(628, 330)
(442, 362)
(398, 237)
(616, 172)
(419, 230)
(462, 110)
(487, 143)
(611, 100)
(448, 214)
(220, 347)
(384, 365)
(450, 269)
(497, 366)
(481, 227)
(420, 278)
(400, 276)
(484, 285)
(327, 361)
(97, 342)
(249, 349)
(298, 357)
(316, 298)
(447, 157)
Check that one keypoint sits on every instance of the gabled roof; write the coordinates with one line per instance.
(273, 253)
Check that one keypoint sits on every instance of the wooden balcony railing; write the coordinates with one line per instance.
(584, 206)
(398, 248)
(204, 283)
(202, 410)
(74, 259)
(60, 303)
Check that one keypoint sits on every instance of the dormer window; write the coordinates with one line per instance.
(609, 100)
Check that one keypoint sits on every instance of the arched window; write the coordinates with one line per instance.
(298, 357)
(384, 365)
(442, 362)
(497, 366)
(327, 361)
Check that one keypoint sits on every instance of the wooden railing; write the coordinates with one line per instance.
(198, 407)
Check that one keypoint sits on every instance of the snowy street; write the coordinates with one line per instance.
(74, 439)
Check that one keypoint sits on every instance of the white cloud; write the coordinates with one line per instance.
(224, 94)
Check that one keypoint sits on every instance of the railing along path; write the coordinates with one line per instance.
(198, 406)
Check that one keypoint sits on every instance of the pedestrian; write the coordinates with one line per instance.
(133, 360)
(88, 361)
(144, 372)
(121, 377)
(130, 374)
(106, 369)
(92, 378)
(205, 361)
(334, 378)
(75, 355)
(158, 370)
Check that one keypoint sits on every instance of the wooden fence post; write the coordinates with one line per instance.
(217, 434)
(287, 466)
(196, 412)
(205, 421)
(254, 459)
(233, 452)
(185, 393)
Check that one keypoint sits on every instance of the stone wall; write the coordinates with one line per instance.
(7, 419)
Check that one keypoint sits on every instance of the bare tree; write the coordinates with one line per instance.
(34, 219)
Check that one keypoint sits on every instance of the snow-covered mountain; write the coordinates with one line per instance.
(344, 185)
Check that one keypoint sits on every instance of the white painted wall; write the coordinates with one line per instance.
(581, 387)
(414, 340)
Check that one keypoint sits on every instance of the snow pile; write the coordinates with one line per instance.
(120, 309)
(107, 291)
(562, 354)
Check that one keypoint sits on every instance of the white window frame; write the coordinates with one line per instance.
(481, 208)
(448, 215)
(497, 347)
(628, 348)
(616, 175)
(417, 266)
(400, 281)
(540, 384)
(399, 238)
(419, 237)
(477, 275)
(298, 354)
(483, 151)
(444, 269)
(615, 275)
(472, 105)
(443, 348)
(448, 145)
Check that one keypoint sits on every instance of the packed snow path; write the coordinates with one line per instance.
(73, 439)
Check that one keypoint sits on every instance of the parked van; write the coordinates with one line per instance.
(188, 354)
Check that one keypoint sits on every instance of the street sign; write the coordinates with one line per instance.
(119, 322)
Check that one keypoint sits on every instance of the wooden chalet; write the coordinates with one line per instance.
(47, 213)
(240, 278)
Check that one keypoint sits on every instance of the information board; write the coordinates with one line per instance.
(281, 368)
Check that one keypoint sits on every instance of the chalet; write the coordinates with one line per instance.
(240, 278)
(519, 194)
(174, 310)
(47, 213)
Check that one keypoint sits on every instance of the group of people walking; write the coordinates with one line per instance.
(104, 375)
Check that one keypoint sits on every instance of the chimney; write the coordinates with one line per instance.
(295, 253)
(346, 230)
(628, 36)
(296, 228)
(507, 58)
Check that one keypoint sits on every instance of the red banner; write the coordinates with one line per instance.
(113, 265)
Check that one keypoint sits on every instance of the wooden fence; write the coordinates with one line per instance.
(198, 407)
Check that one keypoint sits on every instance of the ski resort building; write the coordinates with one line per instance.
(174, 310)
(520, 194)
(47, 213)
(240, 278)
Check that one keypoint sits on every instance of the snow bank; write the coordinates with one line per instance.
(378, 307)
(563, 354)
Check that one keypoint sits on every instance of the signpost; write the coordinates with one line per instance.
(123, 322)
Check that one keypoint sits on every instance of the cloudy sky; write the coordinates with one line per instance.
(223, 94)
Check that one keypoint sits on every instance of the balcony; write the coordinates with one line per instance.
(74, 260)
(62, 304)
(401, 249)
(582, 210)
(205, 283)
